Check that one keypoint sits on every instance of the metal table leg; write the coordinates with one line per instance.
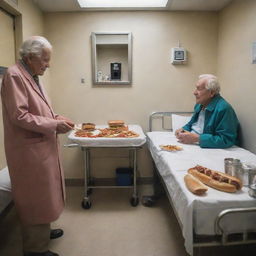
(135, 199)
(158, 191)
(86, 203)
(88, 182)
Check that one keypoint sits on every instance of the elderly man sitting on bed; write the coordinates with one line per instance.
(214, 123)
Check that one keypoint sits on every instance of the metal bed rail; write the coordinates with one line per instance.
(219, 230)
(6, 210)
(162, 115)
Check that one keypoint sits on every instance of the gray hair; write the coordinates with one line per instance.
(34, 45)
(212, 82)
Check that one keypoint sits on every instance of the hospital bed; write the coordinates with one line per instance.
(5, 192)
(217, 218)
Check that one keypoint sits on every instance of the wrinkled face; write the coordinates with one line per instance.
(38, 64)
(203, 96)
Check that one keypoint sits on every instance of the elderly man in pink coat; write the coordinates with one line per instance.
(31, 145)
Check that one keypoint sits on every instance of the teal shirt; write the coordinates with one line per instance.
(220, 126)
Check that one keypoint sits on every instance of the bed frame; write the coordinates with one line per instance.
(6, 210)
(6, 202)
(221, 237)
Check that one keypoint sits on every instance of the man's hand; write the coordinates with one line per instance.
(64, 126)
(178, 131)
(187, 137)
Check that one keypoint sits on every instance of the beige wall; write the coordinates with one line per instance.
(7, 53)
(235, 69)
(211, 39)
(32, 19)
(33, 24)
(29, 21)
(157, 84)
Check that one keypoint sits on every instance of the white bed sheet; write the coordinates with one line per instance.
(200, 212)
(111, 142)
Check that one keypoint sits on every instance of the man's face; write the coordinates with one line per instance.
(203, 96)
(37, 64)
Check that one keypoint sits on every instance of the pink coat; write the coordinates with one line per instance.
(32, 150)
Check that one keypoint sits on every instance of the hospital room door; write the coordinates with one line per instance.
(7, 39)
(7, 58)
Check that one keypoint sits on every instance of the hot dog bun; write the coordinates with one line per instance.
(215, 179)
(194, 185)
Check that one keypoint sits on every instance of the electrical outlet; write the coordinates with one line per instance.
(254, 53)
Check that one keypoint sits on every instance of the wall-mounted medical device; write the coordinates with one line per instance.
(179, 55)
(115, 69)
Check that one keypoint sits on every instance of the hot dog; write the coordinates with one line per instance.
(215, 179)
(194, 185)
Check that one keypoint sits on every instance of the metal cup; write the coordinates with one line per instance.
(232, 167)
(251, 179)
(252, 190)
(252, 175)
(228, 165)
(249, 174)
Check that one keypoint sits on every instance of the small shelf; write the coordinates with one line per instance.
(111, 58)
(113, 82)
(102, 44)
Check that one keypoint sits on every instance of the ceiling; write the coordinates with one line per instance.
(172, 5)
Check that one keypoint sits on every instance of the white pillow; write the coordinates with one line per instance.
(178, 121)
(5, 183)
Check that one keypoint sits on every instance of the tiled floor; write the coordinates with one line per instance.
(112, 227)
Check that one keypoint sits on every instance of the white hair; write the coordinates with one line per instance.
(212, 82)
(34, 45)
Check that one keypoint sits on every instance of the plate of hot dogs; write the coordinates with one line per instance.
(199, 177)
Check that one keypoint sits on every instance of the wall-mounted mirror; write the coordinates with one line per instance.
(112, 58)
